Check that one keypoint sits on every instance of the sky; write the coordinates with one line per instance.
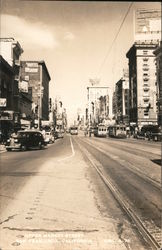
(73, 38)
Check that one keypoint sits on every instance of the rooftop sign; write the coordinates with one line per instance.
(147, 24)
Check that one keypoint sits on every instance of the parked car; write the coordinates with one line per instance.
(140, 135)
(26, 139)
(152, 132)
(49, 137)
(60, 134)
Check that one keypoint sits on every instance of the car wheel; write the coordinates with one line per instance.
(9, 149)
(40, 145)
(23, 148)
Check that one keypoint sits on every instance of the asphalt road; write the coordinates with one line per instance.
(70, 184)
(17, 167)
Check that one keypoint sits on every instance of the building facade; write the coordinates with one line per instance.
(98, 105)
(10, 71)
(121, 101)
(158, 54)
(142, 84)
(25, 108)
(8, 102)
(36, 76)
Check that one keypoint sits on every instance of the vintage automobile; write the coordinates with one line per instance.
(26, 139)
(49, 137)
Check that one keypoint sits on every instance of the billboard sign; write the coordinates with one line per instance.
(147, 24)
(3, 102)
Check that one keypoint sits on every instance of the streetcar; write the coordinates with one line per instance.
(74, 130)
(117, 131)
(100, 131)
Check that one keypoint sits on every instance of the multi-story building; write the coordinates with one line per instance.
(142, 84)
(99, 107)
(59, 115)
(36, 75)
(25, 108)
(8, 107)
(10, 69)
(158, 54)
(121, 99)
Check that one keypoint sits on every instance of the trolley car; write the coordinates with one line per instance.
(117, 131)
(100, 131)
(74, 130)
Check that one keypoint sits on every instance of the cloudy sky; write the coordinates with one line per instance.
(73, 38)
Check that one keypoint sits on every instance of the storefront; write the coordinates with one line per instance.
(9, 122)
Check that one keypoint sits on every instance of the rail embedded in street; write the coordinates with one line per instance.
(151, 236)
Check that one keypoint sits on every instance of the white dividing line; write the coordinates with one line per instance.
(72, 147)
(73, 152)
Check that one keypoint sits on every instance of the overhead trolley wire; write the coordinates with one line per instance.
(109, 50)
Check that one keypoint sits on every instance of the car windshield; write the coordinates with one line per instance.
(19, 135)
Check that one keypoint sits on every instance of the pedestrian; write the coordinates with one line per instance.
(85, 132)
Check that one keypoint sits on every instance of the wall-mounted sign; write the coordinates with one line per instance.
(23, 86)
(32, 65)
(3, 102)
(31, 70)
(26, 78)
(59, 122)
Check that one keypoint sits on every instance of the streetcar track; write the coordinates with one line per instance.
(140, 152)
(129, 166)
(151, 234)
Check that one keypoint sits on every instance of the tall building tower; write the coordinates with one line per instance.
(36, 74)
(98, 104)
(158, 54)
(121, 100)
(142, 84)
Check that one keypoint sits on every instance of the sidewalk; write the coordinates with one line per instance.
(56, 209)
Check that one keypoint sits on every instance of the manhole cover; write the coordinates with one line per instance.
(28, 218)
(15, 244)
(20, 236)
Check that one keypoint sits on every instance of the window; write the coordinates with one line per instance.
(146, 114)
(145, 59)
(146, 101)
(145, 52)
(146, 92)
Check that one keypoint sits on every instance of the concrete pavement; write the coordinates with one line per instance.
(56, 210)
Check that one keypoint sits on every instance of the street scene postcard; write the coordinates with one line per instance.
(80, 125)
